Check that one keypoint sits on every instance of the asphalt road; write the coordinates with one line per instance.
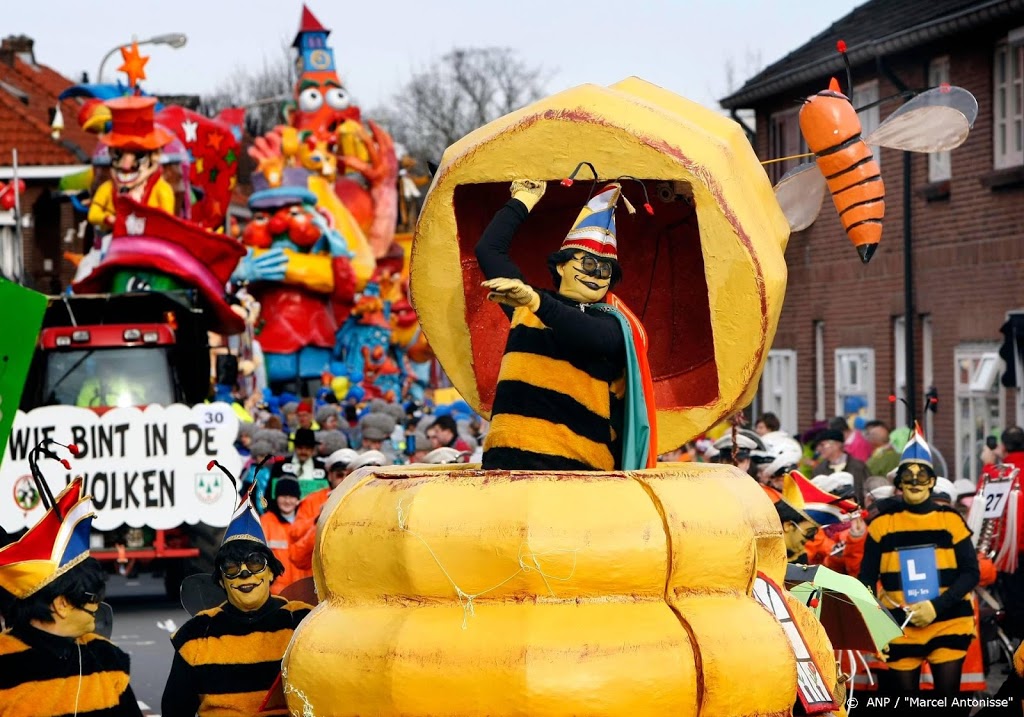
(143, 621)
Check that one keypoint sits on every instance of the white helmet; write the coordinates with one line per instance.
(783, 451)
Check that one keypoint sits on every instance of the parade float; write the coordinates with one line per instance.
(656, 591)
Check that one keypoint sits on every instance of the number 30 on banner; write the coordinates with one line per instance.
(996, 495)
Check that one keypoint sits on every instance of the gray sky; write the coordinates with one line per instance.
(682, 45)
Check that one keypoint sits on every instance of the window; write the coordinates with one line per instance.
(899, 365)
(819, 370)
(980, 402)
(778, 388)
(863, 95)
(784, 140)
(940, 167)
(855, 382)
(1007, 119)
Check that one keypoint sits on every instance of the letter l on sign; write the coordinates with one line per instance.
(912, 571)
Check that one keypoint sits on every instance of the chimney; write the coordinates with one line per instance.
(17, 46)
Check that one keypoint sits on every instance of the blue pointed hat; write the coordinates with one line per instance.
(917, 450)
(594, 229)
(245, 523)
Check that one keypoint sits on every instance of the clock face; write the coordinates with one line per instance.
(319, 60)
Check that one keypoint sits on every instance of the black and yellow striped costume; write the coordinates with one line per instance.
(900, 525)
(226, 660)
(39, 676)
(558, 403)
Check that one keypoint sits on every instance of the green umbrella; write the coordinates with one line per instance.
(853, 619)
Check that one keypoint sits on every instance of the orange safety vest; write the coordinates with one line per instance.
(279, 540)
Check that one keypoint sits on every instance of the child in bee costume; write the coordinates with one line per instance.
(574, 391)
(227, 659)
(940, 630)
(51, 661)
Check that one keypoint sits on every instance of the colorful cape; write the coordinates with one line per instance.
(640, 424)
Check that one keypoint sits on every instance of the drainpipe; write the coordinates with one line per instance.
(908, 263)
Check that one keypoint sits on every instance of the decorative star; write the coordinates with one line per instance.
(134, 64)
(199, 165)
(213, 175)
(135, 224)
(230, 157)
(190, 128)
(214, 139)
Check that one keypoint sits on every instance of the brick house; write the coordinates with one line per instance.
(840, 342)
(28, 101)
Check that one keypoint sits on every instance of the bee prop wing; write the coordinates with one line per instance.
(935, 121)
(200, 592)
(800, 193)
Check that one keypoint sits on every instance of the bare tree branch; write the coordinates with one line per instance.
(262, 91)
(463, 90)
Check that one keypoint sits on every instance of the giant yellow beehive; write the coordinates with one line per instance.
(464, 592)
(482, 593)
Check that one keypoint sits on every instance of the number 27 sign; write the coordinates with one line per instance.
(996, 495)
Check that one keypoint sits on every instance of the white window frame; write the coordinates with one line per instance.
(982, 385)
(819, 370)
(899, 368)
(779, 388)
(940, 164)
(784, 139)
(864, 386)
(1008, 104)
(866, 93)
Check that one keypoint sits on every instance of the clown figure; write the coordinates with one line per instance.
(135, 171)
(570, 389)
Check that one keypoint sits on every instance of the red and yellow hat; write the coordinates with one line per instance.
(51, 547)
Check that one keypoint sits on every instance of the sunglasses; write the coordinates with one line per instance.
(254, 563)
(596, 267)
(809, 533)
(920, 480)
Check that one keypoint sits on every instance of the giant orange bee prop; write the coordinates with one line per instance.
(832, 130)
(935, 120)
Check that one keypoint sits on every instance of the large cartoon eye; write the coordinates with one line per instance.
(310, 99)
(338, 99)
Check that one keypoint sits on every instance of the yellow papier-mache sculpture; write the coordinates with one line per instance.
(457, 591)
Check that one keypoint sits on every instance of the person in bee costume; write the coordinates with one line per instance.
(227, 659)
(574, 390)
(940, 629)
(51, 661)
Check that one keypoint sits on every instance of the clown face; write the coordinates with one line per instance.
(131, 168)
(916, 482)
(585, 278)
(322, 104)
(248, 583)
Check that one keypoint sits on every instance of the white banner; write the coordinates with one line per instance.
(142, 467)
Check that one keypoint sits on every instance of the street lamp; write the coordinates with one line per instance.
(174, 39)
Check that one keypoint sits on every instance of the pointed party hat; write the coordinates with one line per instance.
(917, 449)
(245, 523)
(823, 507)
(594, 228)
(51, 547)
